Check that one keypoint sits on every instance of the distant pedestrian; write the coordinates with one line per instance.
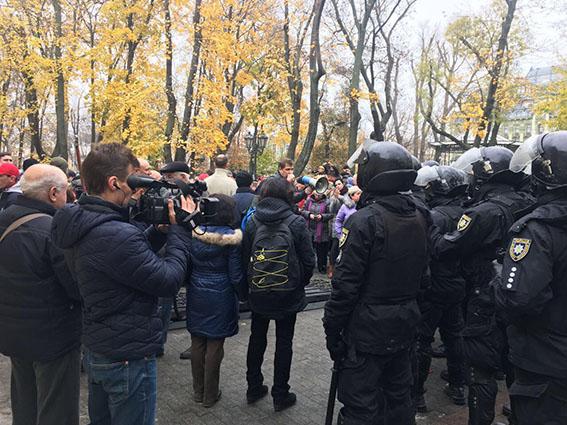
(221, 181)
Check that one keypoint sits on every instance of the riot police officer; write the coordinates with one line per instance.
(481, 232)
(441, 305)
(533, 290)
(371, 317)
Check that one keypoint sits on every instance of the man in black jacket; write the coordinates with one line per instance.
(477, 241)
(371, 318)
(441, 304)
(532, 292)
(120, 278)
(40, 312)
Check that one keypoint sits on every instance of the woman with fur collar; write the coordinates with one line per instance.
(212, 301)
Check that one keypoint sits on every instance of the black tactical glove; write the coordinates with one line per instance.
(337, 347)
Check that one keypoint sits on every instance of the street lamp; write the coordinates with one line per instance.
(255, 145)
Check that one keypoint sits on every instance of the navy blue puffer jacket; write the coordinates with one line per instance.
(120, 277)
(216, 273)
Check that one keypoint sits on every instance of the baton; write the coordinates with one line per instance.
(332, 394)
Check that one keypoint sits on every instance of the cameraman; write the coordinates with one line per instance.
(120, 279)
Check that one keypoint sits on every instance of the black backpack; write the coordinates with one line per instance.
(274, 265)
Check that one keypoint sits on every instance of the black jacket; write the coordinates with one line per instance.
(243, 198)
(278, 305)
(383, 259)
(447, 282)
(40, 314)
(533, 290)
(481, 234)
(120, 277)
(7, 198)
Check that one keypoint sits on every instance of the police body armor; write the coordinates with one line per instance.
(397, 262)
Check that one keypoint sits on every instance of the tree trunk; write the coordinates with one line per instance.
(180, 152)
(316, 72)
(487, 114)
(60, 113)
(32, 107)
(171, 101)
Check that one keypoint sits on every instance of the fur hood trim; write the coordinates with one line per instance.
(220, 239)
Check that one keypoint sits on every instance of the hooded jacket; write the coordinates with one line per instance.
(216, 273)
(40, 311)
(120, 277)
(278, 305)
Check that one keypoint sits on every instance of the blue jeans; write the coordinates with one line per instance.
(122, 392)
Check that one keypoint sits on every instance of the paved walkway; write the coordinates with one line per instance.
(309, 379)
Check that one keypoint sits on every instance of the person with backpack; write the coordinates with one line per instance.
(278, 254)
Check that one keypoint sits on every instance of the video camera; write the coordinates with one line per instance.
(152, 206)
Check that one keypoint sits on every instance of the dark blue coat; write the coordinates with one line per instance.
(40, 311)
(120, 277)
(216, 273)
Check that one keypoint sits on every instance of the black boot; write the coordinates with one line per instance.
(285, 402)
(457, 394)
(252, 396)
(420, 405)
(186, 355)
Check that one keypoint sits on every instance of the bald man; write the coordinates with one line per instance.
(40, 308)
(221, 181)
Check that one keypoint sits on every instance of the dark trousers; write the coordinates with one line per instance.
(322, 252)
(282, 361)
(46, 393)
(449, 319)
(483, 390)
(538, 399)
(376, 389)
(164, 310)
(206, 358)
(334, 253)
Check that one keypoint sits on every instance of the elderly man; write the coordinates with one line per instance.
(39, 307)
(221, 181)
(176, 170)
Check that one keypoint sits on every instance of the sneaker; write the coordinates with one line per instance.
(213, 402)
(186, 355)
(256, 394)
(283, 403)
(420, 405)
(457, 394)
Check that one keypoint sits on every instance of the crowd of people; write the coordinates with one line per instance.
(474, 250)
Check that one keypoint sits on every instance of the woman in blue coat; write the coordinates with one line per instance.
(212, 301)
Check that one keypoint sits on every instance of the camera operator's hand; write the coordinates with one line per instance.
(187, 205)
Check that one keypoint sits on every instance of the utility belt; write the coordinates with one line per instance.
(377, 300)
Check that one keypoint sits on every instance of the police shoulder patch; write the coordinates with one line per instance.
(344, 236)
(463, 223)
(519, 248)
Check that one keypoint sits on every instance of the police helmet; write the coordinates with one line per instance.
(383, 167)
(442, 180)
(545, 156)
(430, 163)
(487, 164)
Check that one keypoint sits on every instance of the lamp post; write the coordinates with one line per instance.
(255, 144)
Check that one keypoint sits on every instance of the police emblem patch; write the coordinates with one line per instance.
(519, 248)
(463, 222)
(344, 236)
